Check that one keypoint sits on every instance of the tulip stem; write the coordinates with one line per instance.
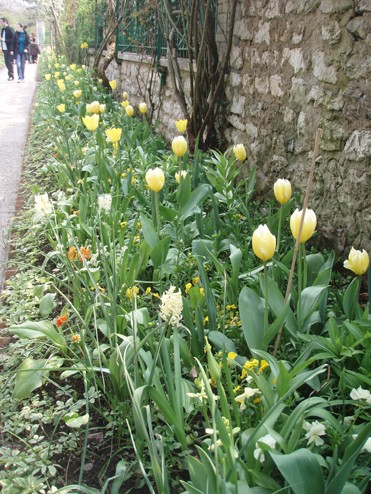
(265, 298)
(279, 229)
(305, 266)
(156, 212)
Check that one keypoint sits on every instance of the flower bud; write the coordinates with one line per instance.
(179, 146)
(239, 152)
(282, 190)
(91, 123)
(61, 108)
(309, 225)
(263, 243)
(113, 84)
(155, 179)
(182, 174)
(125, 95)
(181, 125)
(129, 111)
(358, 261)
(143, 107)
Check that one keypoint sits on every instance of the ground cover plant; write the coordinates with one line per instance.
(171, 334)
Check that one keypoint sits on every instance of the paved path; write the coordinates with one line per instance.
(15, 109)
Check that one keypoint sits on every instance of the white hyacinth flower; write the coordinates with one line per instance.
(104, 202)
(315, 430)
(171, 306)
(43, 206)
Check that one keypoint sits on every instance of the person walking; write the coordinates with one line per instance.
(20, 45)
(7, 34)
(34, 49)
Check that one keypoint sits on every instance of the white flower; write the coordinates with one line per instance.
(315, 430)
(366, 446)
(269, 441)
(248, 393)
(42, 204)
(104, 202)
(171, 306)
(361, 394)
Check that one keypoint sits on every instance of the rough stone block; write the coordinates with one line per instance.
(275, 82)
(331, 32)
(273, 9)
(262, 34)
(301, 6)
(332, 6)
(360, 27)
(363, 6)
(332, 136)
(295, 58)
(238, 105)
(235, 79)
(358, 146)
(321, 71)
(262, 84)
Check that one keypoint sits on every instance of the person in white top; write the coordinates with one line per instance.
(7, 34)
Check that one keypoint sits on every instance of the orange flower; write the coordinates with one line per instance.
(76, 338)
(72, 253)
(61, 320)
(85, 253)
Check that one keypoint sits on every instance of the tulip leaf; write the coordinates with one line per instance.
(221, 341)
(350, 298)
(31, 374)
(251, 309)
(195, 200)
(308, 302)
(160, 251)
(149, 231)
(41, 329)
(47, 304)
(297, 468)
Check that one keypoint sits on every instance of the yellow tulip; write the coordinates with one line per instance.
(84, 45)
(56, 75)
(358, 261)
(155, 179)
(91, 123)
(143, 107)
(125, 103)
(114, 135)
(179, 146)
(93, 107)
(77, 93)
(57, 65)
(263, 243)
(47, 77)
(309, 225)
(61, 85)
(61, 108)
(181, 125)
(182, 174)
(239, 152)
(102, 108)
(77, 83)
(129, 110)
(113, 84)
(73, 66)
(125, 95)
(282, 190)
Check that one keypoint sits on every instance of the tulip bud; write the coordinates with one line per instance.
(77, 93)
(358, 261)
(91, 123)
(61, 108)
(239, 152)
(129, 111)
(214, 369)
(309, 225)
(113, 135)
(113, 84)
(155, 179)
(179, 146)
(282, 190)
(143, 107)
(181, 125)
(182, 174)
(263, 243)
(125, 95)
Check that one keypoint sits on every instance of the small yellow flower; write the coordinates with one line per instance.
(188, 287)
(282, 190)
(263, 243)
(131, 292)
(143, 108)
(47, 77)
(181, 125)
(263, 365)
(77, 93)
(358, 261)
(113, 84)
(206, 320)
(56, 75)
(84, 45)
(232, 355)
(202, 291)
(123, 224)
(61, 108)
(129, 111)
(125, 103)
(179, 146)
(182, 174)
(73, 66)
(148, 290)
(309, 225)
(91, 123)
(195, 280)
(239, 152)
(155, 179)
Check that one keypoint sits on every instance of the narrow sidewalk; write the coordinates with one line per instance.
(15, 111)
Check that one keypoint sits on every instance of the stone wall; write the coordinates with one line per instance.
(296, 65)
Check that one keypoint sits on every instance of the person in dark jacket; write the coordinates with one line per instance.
(7, 34)
(20, 46)
(34, 49)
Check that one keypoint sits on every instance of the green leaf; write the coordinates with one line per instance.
(196, 199)
(75, 421)
(41, 329)
(31, 374)
(47, 304)
(221, 341)
(160, 251)
(350, 299)
(251, 309)
(308, 302)
(149, 231)
(301, 471)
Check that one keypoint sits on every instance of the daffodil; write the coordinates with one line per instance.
(282, 190)
(143, 108)
(179, 146)
(309, 225)
(358, 261)
(239, 152)
(181, 125)
(91, 122)
(315, 430)
(155, 179)
(263, 243)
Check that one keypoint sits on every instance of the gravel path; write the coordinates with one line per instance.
(15, 110)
